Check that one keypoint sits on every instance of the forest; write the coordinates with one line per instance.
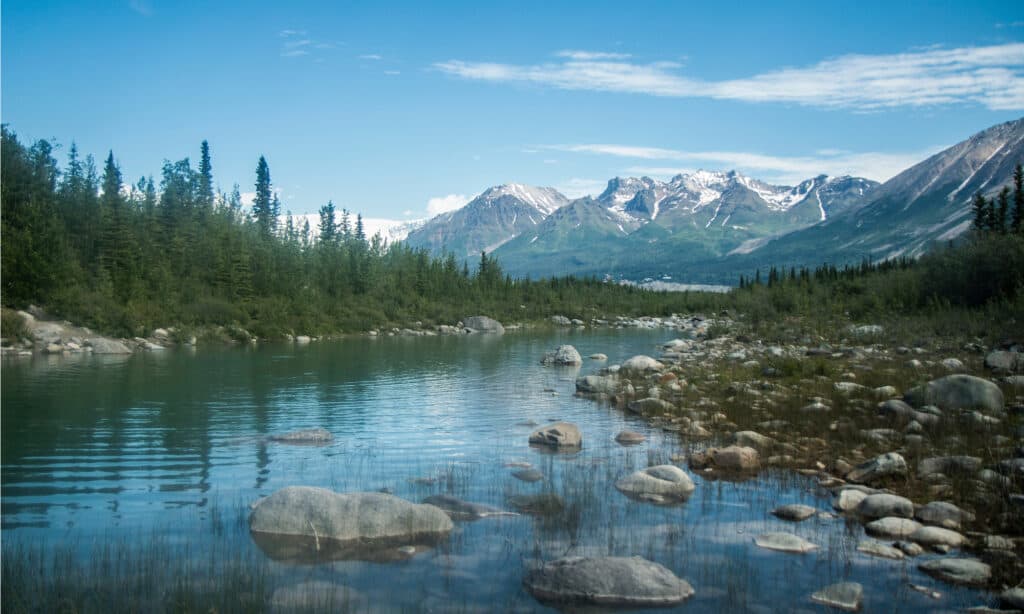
(125, 258)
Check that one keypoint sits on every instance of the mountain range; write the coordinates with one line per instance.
(710, 226)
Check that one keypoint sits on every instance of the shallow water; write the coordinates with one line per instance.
(172, 446)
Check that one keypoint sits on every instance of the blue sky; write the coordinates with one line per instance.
(394, 109)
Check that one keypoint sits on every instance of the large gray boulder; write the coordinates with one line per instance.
(943, 514)
(879, 505)
(559, 435)
(958, 571)
(559, 320)
(607, 581)
(1005, 363)
(640, 365)
(102, 345)
(565, 355)
(957, 392)
(937, 536)
(892, 527)
(483, 324)
(323, 515)
(664, 481)
(883, 466)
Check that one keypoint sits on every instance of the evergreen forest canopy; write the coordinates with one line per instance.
(127, 259)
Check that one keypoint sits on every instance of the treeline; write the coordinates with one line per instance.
(175, 251)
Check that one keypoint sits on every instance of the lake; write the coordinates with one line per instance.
(135, 474)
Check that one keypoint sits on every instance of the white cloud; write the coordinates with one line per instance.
(443, 204)
(785, 169)
(370, 56)
(293, 53)
(392, 72)
(248, 198)
(142, 7)
(578, 187)
(992, 76)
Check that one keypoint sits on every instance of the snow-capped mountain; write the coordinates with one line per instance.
(488, 221)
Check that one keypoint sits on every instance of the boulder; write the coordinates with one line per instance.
(892, 527)
(880, 505)
(629, 438)
(640, 364)
(598, 356)
(949, 465)
(561, 321)
(483, 324)
(884, 466)
(564, 355)
(842, 595)
(784, 542)
(663, 480)
(752, 439)
(607, 581)
(649, 405)
(937, 536)
(794, 511)
(943, 514)
(848, 499)
(322, 516)
(874, 548)
(457, 509)
(957, 392)
(304, 436)
(303, 340)
(102, 345)
(1012, 598)
(597, 384)
(559, 435)
(528, 475)
(1004, 363)
(730, 458)
(954, 365)
(971, 572)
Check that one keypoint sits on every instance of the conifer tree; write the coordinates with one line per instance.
(1017, 222)
(328, 228)
(980, 208)
(1001, 210)
(262, 204)
(205, 196)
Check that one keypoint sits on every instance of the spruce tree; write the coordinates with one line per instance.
(1001, 210)
(262, 206)
(980, 208)
(328, 227)
(1017, 223)
(205, 196)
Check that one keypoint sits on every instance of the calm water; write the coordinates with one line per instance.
(172, 446)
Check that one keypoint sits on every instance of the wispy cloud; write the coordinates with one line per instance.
(879, 166)
(371, 56)
(578, 187)
(298, 43)
(142, 7)
(443, 204)
(992, 76)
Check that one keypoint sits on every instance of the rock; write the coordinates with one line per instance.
(848, 499)
(879, 505)
(528, 475)
(815, 407)
(457, 509)
(324, 515)
(884, 466)
(53, 348)
(971, 572)
(628, 438)
(952, 364)
(1004, 363)
(304, 436)
(1012, 598)
(895, 408)
(607, 581)
(663, 480)
(731, 458)
(892, 527)
(561, 321)
(943, 514)
(909, 548)
(866, 329)
(542, 504)
(842, 595)
(102, 345)
(848, 387)
(957, 392)
(753, 439)
(564, 355)
(937, 536)
(597, 384)
(874, 548)
(794, 511)
(483, 324)
(640, 365)
(598, 356)
(559, 434)
(784, 542)
(302, 340)
(885, 392)
(649, 405)
(949, 465)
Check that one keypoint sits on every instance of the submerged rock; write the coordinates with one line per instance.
(607, 581)
(957, 392)
(795, 512)
(559, 435)
(967, 571)
(326, 519)
(457, 509)
(629, 438)
(662, 480)
(784, 542)
(842, 595)
(528, 475)
(304, 436)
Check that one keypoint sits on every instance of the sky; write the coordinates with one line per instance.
(404, 110)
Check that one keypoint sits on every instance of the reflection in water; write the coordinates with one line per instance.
(175, 444)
